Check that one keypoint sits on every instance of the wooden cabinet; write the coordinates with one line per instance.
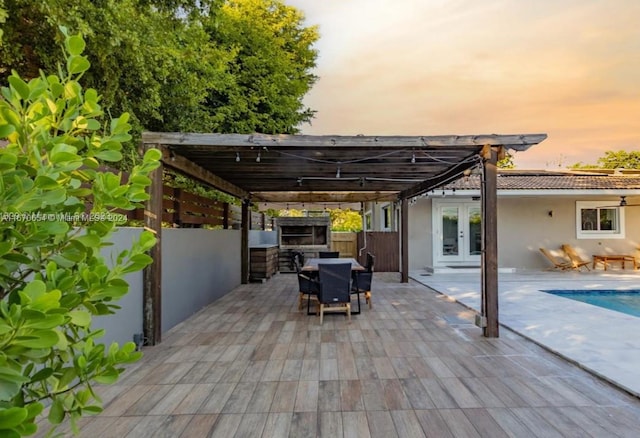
(263, 261)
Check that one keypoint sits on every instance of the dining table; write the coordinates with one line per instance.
(311, 265)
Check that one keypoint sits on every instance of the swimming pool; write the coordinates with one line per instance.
(627, 301)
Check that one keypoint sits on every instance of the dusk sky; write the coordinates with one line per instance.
(567, 68)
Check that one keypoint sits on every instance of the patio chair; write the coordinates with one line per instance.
(328, 254)
(576, 261)
(335, 287)
(307, 288)
(557, 263)
(362, 281)
(362, 285)
(370, 261)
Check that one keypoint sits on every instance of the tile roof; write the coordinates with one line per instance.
(542, 180)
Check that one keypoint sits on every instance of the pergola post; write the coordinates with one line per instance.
(404, 239)
(489, 279)
(152, 274)
(244, 249)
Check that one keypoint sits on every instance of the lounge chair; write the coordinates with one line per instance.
(562, 265)
(576, 261)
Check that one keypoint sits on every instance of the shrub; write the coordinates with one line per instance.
(57, 211)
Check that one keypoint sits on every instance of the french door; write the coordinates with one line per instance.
(457, 232)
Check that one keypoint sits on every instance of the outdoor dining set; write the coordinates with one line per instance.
(330, 282)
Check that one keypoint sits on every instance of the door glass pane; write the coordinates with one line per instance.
(475, 231)
(450, 231)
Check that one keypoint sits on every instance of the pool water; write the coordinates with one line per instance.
(627, 301)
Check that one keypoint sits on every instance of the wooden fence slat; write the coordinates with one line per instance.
(180, 207)
(385, 246)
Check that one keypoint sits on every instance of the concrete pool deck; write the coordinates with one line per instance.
(605, 342)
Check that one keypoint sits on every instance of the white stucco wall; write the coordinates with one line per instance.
(420, 235)
(524, 225)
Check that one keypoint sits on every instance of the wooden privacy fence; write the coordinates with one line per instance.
(385, 245)
(182, 209)
(345, 243)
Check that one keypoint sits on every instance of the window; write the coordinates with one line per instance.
(386, 218)
(597, 220)
(367, 221)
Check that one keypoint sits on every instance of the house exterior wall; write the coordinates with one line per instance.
(420, 235)
(524, 225)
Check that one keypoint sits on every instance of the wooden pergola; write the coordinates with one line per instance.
(259, 168)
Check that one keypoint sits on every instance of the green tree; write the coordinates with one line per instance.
(53, 278)
(176, 65)
(345, 220)
(270, 71)
(506, 162)
(613, 160)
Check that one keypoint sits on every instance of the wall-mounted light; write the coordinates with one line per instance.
(413, 158)
(237, 157)
(338, 172)
(299, 182)
(258, 157)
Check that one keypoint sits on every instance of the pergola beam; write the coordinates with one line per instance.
(189, 168)
(442, 178)
(234, 141)
(320, 197)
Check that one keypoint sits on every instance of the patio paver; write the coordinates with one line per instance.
(252, 365)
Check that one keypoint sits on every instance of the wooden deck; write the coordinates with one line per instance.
(252, 365)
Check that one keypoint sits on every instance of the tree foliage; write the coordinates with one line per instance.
(176, 65)
(53, 278)
(613, 160)
(341, 219)
(506, 162)
(345, 220)
(269, 73)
